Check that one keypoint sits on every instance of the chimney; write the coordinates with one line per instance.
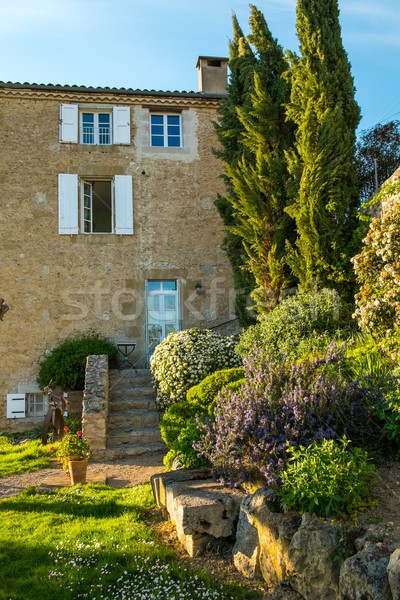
(213, 74)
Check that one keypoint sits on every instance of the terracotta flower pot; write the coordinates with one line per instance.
(77, 470)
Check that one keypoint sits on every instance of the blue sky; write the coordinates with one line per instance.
(154, 44)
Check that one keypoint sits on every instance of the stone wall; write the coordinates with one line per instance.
(95, 404)
(64, 285)
(298, 556)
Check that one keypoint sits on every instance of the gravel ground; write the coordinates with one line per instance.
(121, 473)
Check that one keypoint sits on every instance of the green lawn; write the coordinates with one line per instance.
(23, 458)
(89, 542)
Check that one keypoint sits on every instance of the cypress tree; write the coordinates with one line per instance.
(259, 179)
(255, 136)
(322, 164)
(229, 129)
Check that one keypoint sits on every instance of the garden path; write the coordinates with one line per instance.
(119, 473)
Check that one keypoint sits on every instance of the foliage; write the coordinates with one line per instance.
(73, 446)
(229, 131)
(285, 402)
(22, 458)
(257, 179)
(379, 145)
(327, 478)
(65, 365)
(185, 358)
(178, 425)
(92, 541)
(366, 358)
(298, 325)
(205, 392)
(322, 164)
(378, 274)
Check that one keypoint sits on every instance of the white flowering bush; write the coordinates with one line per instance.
(378, 272)
(185, 358)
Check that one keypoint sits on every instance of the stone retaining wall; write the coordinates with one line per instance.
(316, 559)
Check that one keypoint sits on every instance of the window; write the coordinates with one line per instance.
(36, 404)
(95, 205)
(95, 128)
(95, 125)
(31, 404)
(165, 131)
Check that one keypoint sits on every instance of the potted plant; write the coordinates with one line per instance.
(74, 452)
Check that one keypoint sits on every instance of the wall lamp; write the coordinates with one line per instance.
(198, 288)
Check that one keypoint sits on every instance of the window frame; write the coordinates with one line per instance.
(83, 210)
(70, 205)
(165, 136)
(96, 134)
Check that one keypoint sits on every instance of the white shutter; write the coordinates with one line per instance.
(15, 406)
(123, 205)
(69, 123)
(121, 125)
(67, 204)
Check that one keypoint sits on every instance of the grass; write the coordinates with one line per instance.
(23, 458)
(88, 542)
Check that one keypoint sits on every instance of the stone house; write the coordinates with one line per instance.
(108, 223)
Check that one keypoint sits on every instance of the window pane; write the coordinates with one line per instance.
(88, 118)
(173, 120)
(104, 119)
(169, 285)
(174, 142)
(157, 140)
(157, 130)
(157, 119)
(153, 286)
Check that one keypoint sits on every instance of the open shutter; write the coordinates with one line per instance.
(15, 406)
(121, 125)
(69, 123)
(67, 204)
(123, 205)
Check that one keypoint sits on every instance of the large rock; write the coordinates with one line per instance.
(202, 509)
(315, 555)
(364, 575)
(393, 571)
(263, 538)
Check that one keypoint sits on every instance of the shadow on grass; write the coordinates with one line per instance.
(72, 502)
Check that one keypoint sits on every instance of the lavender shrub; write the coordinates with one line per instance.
(283, 404)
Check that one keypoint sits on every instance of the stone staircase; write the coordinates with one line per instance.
(133, 419)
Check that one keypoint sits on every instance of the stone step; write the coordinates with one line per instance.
(123, 404)
(134, 450)
(133, 377)
(133, 419)
(138, 436)
(131, 393)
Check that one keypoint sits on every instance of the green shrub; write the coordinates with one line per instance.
(65, 365)
(327, 478)
(366, 358)
(298, 325)
(205, 392)
(185, 358)
(179, 428)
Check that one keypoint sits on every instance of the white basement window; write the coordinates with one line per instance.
(98, 126)
(95, 205)
(28, 405)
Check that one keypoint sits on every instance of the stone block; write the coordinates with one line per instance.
(364, 575)
(315, 555)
